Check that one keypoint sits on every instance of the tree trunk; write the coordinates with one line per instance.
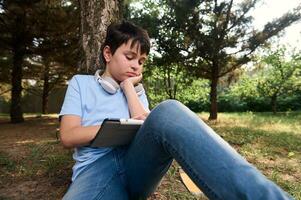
(213, 99)
(18, 51)
(274, 104)
(45, 89)
(16, 114)
(169, 85)
(95, 17)
(213, 92)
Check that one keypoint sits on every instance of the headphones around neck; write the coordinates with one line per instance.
(111, 86)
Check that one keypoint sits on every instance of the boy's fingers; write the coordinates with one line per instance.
(142, 117)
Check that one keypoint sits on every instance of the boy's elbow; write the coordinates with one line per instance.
(65, 141)
(67, 145)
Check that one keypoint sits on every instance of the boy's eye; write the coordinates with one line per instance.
(142, 61)
(129, 57)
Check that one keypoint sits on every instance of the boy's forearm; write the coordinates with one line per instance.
(135, 105)
(78, 136)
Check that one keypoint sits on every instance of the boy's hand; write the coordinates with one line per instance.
(141, 117)
(133, 80)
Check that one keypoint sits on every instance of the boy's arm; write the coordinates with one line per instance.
(72, 134)
(137, 110)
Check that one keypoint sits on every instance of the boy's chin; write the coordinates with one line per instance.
(118, 79)
(123, 78)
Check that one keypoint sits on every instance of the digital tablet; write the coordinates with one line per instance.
(116, 132)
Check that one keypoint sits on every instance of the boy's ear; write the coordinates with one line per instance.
(107, 54)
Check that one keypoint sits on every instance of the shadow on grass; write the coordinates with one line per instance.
(242, 135)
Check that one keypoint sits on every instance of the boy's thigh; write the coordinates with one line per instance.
(100, 180)
(146, 162)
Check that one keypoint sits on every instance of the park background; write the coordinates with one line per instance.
(236, 63)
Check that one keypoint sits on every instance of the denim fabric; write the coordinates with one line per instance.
(172, 131)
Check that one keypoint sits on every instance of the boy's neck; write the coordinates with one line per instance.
(107, 74)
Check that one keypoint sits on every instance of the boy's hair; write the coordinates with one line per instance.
(120, 33)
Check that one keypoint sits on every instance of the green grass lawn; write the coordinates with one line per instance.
(34, 165)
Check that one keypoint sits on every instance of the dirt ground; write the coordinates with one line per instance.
(24, 180)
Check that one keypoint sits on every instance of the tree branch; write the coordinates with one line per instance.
(248, 7)
(5, 91)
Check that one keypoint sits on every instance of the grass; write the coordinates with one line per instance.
(6, 163)
(32, 161)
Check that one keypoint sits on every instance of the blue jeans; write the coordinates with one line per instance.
(172, 131)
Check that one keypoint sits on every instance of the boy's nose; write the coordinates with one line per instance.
(135, 66)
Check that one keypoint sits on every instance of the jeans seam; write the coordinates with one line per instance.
(117, 161)
(100, 194)
(157, 136)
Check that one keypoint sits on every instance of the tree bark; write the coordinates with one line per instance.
(169, 86)
(46, 89)
(213, 92)
(16, 114)
(274, 104)
(95, 17)
(18, 51)
(213, 99)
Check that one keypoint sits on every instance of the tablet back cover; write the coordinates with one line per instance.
(113, 133)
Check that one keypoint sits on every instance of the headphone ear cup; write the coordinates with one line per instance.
(107, 83)
(139, 89)
(107, 86)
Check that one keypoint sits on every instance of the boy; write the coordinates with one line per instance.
(170, 131)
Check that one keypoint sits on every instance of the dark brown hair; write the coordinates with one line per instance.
(120, 33)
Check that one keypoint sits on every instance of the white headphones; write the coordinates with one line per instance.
(111, 86)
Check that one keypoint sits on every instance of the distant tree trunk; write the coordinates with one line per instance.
(213, 99)
(46, 89)
(274, 104)
(213, 92)
(16, 114)
(95, 17)
(18, 40)
(168, 84)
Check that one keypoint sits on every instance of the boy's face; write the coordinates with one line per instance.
(126, 61)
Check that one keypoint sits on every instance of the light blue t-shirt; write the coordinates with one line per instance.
(86, 98)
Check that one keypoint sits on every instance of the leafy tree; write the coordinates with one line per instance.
(210, 38)
(15, 38)
(33, 29)
(170, 80)
(48, 74)
(162, 83)
(5, 61)
(174, 84)
(54, 55)
(279, 76)
(245, 88)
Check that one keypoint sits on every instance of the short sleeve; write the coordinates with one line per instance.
(144, 101)
(72, 103)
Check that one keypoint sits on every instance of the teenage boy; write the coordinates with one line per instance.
(170, 131)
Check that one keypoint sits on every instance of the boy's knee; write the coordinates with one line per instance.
(169, 104)
(167, 109)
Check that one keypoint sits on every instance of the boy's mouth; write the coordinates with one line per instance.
(131, 74)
